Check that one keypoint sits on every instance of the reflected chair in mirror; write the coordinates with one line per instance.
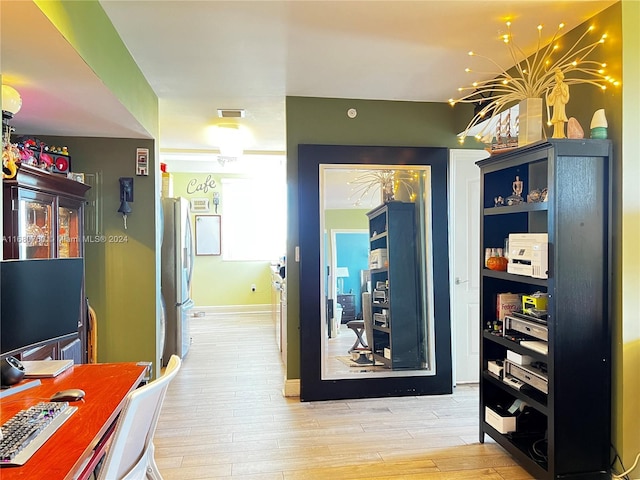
(361, 349)
(360, 344)
(130, 452)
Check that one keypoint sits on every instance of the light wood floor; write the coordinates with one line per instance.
(338, 347)
(224, 417)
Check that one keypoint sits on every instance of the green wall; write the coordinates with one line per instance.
(621, 51)
(627, 391)
(217, 282)
(123, 280)
(87, 28)
(345, 219)
(120, 280)
(349, 218)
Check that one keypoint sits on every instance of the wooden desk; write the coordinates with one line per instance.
(70, 449)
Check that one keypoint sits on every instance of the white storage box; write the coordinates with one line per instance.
(494, 368)
(518, 358)
(504, 423)
(378, 258)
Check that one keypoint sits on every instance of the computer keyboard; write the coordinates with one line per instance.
(25, 432)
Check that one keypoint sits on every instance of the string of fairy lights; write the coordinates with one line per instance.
(388, 182)
(532, 76)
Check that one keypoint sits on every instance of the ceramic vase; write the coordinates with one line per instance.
(599, 125)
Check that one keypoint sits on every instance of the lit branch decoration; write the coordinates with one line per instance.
(387, 180)
(535, 75)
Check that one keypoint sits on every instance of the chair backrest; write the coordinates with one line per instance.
(367, 317)
(136, 425)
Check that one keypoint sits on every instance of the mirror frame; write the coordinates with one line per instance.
(312, 386)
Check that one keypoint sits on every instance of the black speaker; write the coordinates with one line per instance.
(12, 371)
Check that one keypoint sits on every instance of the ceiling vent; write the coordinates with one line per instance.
(230, 113)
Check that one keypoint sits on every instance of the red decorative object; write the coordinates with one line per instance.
(497, 263)
(60, 164)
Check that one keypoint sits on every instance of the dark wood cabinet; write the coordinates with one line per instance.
(563, 428)
(398, 330)
(348, 303)
(43, 218)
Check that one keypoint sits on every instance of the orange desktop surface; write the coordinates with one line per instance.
(69, 450)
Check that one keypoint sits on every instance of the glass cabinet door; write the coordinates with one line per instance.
(69, 231)
(35, 232)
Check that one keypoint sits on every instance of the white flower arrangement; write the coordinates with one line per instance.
(533, 77)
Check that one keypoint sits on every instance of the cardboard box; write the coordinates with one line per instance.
(502, 422)
(507, 303)
(167, 185)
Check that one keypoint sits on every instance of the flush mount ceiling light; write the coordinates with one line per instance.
(230, 140)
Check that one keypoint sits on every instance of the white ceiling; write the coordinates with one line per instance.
(199, 56)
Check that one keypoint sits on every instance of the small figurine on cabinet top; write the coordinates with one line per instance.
(10, 157)
(516, 197)
(599, 124)
(558, 98)
(536, 196)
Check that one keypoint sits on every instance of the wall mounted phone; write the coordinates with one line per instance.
(126, 196)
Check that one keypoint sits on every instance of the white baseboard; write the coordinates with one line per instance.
(265, 309)
(291, 387)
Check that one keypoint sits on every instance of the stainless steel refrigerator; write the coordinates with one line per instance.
(177, 269)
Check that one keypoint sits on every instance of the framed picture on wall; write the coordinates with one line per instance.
(208, 237)
(199, 205)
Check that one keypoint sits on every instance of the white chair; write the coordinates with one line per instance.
(130, 453)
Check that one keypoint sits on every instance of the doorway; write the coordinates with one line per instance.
(464, 215)
(350, 261)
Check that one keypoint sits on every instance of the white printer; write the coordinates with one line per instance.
(528, 254)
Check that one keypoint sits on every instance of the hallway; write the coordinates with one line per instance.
(224, 417)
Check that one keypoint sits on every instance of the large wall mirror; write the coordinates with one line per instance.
(374, 291)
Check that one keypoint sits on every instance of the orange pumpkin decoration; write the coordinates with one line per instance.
(497, 263)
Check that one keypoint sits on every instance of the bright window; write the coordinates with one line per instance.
(253, 218)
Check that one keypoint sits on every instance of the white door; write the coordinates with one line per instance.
(464, 218)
